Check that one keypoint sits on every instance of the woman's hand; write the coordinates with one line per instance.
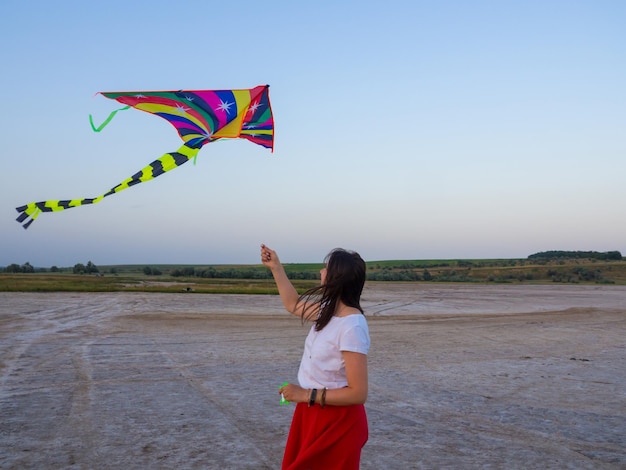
(269, 257)
(294, 393)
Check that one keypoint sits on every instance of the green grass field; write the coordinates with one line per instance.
(256, 279)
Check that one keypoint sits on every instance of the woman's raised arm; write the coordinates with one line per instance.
(287, 291)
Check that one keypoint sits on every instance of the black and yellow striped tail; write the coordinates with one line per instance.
(29, 212)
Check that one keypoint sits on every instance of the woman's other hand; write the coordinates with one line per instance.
(294, 393)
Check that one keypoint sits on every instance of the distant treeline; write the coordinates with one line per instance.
(79, 268)
(554, 254)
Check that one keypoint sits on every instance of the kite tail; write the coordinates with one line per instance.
(29, 212)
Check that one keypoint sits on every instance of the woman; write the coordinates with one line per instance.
(329, 426)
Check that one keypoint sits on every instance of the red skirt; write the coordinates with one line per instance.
(326, 438)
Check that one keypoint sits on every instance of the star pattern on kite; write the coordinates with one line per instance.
(180, 109)
(254, 107)
(225, 106)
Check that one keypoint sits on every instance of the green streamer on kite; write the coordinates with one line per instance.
(107, 120)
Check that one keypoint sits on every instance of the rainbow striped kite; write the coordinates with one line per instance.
(200, 117)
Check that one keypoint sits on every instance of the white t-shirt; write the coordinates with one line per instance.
(322, 364)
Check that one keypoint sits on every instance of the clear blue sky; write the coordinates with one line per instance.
(404, 129)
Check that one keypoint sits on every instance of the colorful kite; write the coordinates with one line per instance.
(199, 117)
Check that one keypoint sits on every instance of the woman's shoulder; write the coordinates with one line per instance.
(353, 333)
(352, 319)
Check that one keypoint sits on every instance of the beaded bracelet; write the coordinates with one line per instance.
(323, 398)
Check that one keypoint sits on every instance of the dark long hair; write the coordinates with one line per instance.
(345, 278)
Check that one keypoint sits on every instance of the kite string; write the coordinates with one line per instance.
(107, 120)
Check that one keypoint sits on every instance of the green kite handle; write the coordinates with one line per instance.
(282, 397)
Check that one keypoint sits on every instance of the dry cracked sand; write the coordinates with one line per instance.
(461, 377)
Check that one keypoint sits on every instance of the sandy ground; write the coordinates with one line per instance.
(461, 377)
